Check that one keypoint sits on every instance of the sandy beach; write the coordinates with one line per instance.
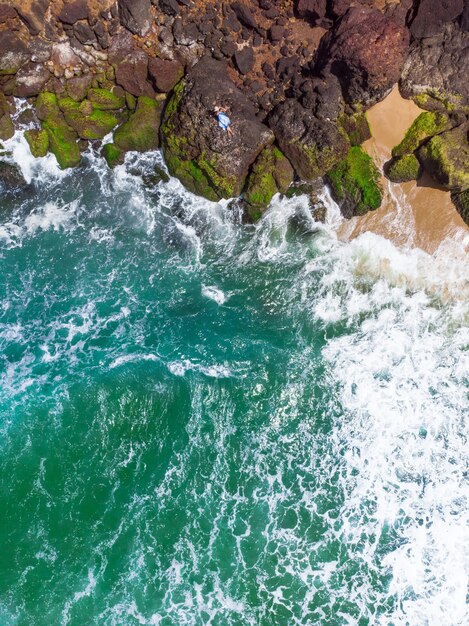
(417, 214)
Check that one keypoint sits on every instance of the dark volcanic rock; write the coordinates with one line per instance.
(244, 15)
(11, 178)
(313, 146)
(433, 74)
(73, 11)
(170, 7)
(164, 74)
(366, 51)
(135, 15)
(431, 16)
(84, 33)
(204, 157)
(311, 9)
(132, 73)
(244, 59)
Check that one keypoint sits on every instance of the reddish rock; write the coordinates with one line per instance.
(32, 12)
(30, 80)
(366, 51)
(7, 12)
(164, 74)
(132, 73)
(432, 16)
(135, 15)
(311, 9)
(122, 45)
(73, 11)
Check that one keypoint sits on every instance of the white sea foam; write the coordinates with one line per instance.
(215, 294)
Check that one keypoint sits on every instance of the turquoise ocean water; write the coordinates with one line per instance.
(210, 423)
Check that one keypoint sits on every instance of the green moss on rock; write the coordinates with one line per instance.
(7, 129)
(113, 155)
(426, 125)
(105, 99)
(357, 128)
(141, 131)
(404, 168)
(354, 183)
(46, 105)
(62, 142)
(271, 173)
(461, 201)
(92, 126)
(38, 141)
(446, 158)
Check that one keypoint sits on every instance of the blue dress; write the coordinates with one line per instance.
(223, 121)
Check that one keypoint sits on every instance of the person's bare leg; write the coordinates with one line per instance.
(229, 130)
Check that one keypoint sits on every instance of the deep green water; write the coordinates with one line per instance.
(204, 422)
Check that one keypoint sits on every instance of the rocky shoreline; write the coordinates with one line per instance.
(297, 78)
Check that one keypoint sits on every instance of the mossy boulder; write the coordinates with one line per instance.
(426, 125)
(47, 104)
(354, 183)
(356, 127)
(446, 158)
(62, 141)
(141, 131)
(113, 154)
(62, 138)
(105, 99)
(403, 169)
(461, 202)
(7, 129)
(313, 146)
(38, 141)
(271, 173)
(86, 120)
(209, 161)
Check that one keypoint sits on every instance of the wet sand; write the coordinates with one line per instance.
(417, 214)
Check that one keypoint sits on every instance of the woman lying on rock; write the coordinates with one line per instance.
(224, 121)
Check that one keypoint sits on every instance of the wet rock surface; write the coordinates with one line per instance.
(298, 75)
(209, 160)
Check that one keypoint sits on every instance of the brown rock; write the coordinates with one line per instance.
(132, 73)
(13, 53)
(7, 12)
(73, 11)
(32, 12)
(78, 87)
(311, 9)
(366, 51)
(164, 74)
(122, 45)
(31, 80)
